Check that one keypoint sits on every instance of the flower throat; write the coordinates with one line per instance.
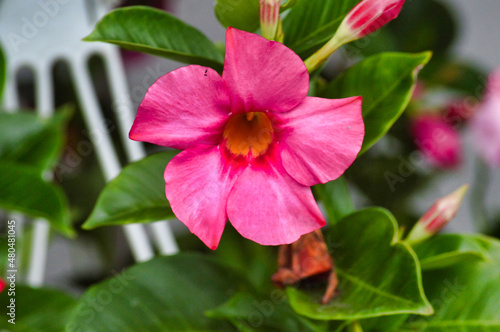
(248, 134)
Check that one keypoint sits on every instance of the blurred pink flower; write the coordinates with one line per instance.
(458, 112)
(486, 123)
(438, 140)
(253, 142)
(370, 15)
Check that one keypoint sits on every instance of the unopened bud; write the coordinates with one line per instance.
(438, 216)
(366, 17)
(269, 12)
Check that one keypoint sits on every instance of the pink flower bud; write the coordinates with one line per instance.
(437, 140)
(438, 216)
(368, 16)
(486, 123)
(269, 12)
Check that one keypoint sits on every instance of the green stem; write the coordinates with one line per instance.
(320, 56)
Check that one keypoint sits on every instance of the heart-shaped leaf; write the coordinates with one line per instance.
(378, 274)
(42, 200)
(36, 309)
(466, 296)
(152, 31)
(164, 294)
(386, 82)
(249, 312)
(137, 194)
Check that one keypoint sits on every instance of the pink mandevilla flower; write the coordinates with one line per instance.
(486, 123)
(370, 15)
(252, 142)
(438, 140)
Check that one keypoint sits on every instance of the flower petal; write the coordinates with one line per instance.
(197, 183)
(269, 207)
(183, 108)
(261, 74)
(321, 138)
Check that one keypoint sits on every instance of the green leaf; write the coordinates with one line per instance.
(255, 261)
(289, 4)
(272, 312)
(386, 82)
(378, 274)
(37, 309)
(335, 198)
(137, 194)
(313, 22)
(164, 294)
(152, 31)
(466, 296)
(3, 72)
(450, 249)
(384, 323)
(239, 14)
(28, 139)
(22, 189)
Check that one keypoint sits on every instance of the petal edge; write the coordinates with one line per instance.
(322, 138)
(183, 108)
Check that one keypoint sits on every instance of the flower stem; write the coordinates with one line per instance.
(321, 55)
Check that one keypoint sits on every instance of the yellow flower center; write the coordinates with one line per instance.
(247, 133)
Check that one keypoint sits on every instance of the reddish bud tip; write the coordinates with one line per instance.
(438, 216)
(370, 15)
